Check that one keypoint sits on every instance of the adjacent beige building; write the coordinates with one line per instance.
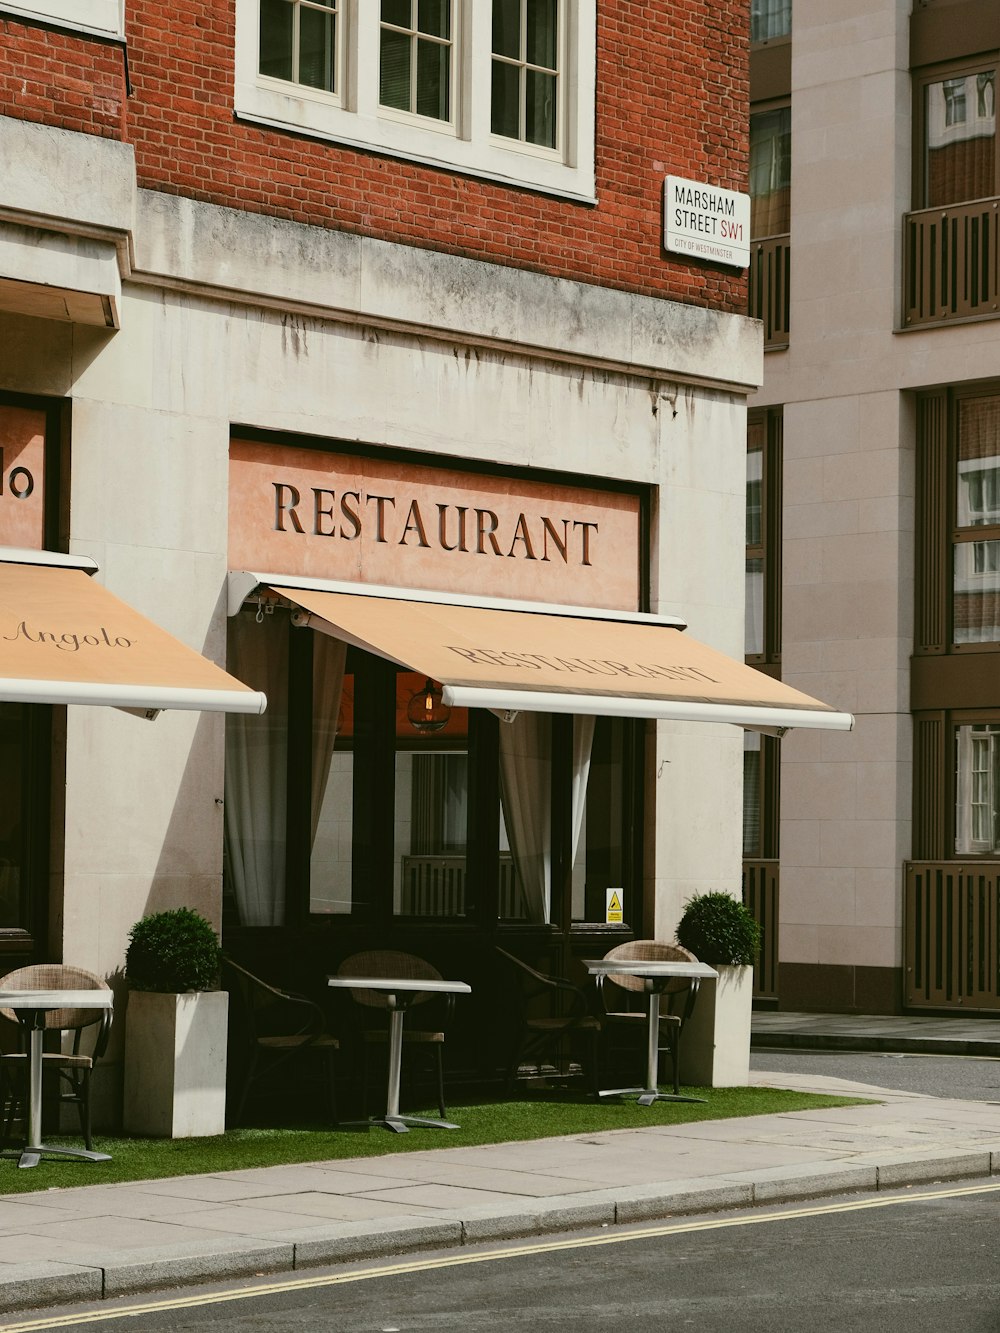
(873, 529)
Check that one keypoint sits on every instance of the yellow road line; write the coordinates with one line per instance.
(484, 1256)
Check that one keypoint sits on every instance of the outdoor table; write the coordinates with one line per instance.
(34, 1005)
(654, 976)
(400, 994)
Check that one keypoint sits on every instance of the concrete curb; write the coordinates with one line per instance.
(889, 1045)
(25, 1286)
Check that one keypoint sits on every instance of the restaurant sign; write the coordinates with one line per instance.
(375, 520)
(706, 221)
(22, 476)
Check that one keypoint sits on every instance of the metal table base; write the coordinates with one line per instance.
(398, 1003)
(651, 1093)
(30, 1153)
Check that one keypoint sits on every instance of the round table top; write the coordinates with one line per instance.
(56, 999)
(401, 984)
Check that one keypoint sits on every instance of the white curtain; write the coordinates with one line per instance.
(583, 741)
(256, 767)
(526, 796)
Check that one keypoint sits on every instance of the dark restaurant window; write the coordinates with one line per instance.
(356, 796)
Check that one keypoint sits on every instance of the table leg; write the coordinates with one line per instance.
(35, 1085)
(652, 1051)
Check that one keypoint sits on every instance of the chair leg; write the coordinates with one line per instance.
(13, 1097)
(331, 1076)
(83, 1092)
(248, 1078)
(675, 1055)
(595, 1081)
(364, 1078)
(439, 1050)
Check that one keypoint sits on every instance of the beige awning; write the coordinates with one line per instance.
(606, 663)
(65, 639)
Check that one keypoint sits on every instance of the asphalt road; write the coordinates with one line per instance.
(916, 1263)
(972, 1078)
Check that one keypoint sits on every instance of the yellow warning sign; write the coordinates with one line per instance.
(613, 914)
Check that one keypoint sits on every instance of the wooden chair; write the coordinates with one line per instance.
(553, 1035)
(90, 1029)
(624, 1005)
(375, 1006)
(279, 1027)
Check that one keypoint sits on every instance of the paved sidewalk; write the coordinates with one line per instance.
(859, 1032)
(86, 1243)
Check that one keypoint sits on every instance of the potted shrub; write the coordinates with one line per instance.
(175, 1028)
(720, 931)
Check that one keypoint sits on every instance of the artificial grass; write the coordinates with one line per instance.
(479, 1123)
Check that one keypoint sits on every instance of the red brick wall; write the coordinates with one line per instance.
(57, 78)
(673, 91)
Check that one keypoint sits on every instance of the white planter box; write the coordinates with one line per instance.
(715, 1046)
(175, 1063)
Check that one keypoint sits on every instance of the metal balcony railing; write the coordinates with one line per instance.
(951, 934)
(950, 263)
(770, 265)
(435, 886)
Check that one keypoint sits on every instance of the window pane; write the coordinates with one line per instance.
(433, 65)
(540, 108)
(977, 756)
(13, 765)
(754, 620)
(978, 458)
(398, 12)
(506, 100)
(976, 592)
(751, 795)
(276, 38)
(770, 18)
(770, 172)
(434, 17)
(431, 812)
(755, 514)
(960, 132)
(316, 50)
(599, 817)
(331, 875)
(540, 38)
(507, 28)
(394, 70)
(976, 564)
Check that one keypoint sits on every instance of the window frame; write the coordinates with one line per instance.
(764, 433)
(453, 43)
(523, 65)
(956, 720)
(922, 79)
(764, 108)
(103, 18)
(374, 828)
(465, 143)
(938, 532)
(334, 94)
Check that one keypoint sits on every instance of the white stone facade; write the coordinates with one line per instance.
(198, 319)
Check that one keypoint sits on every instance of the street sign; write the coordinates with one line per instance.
(706, 221)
